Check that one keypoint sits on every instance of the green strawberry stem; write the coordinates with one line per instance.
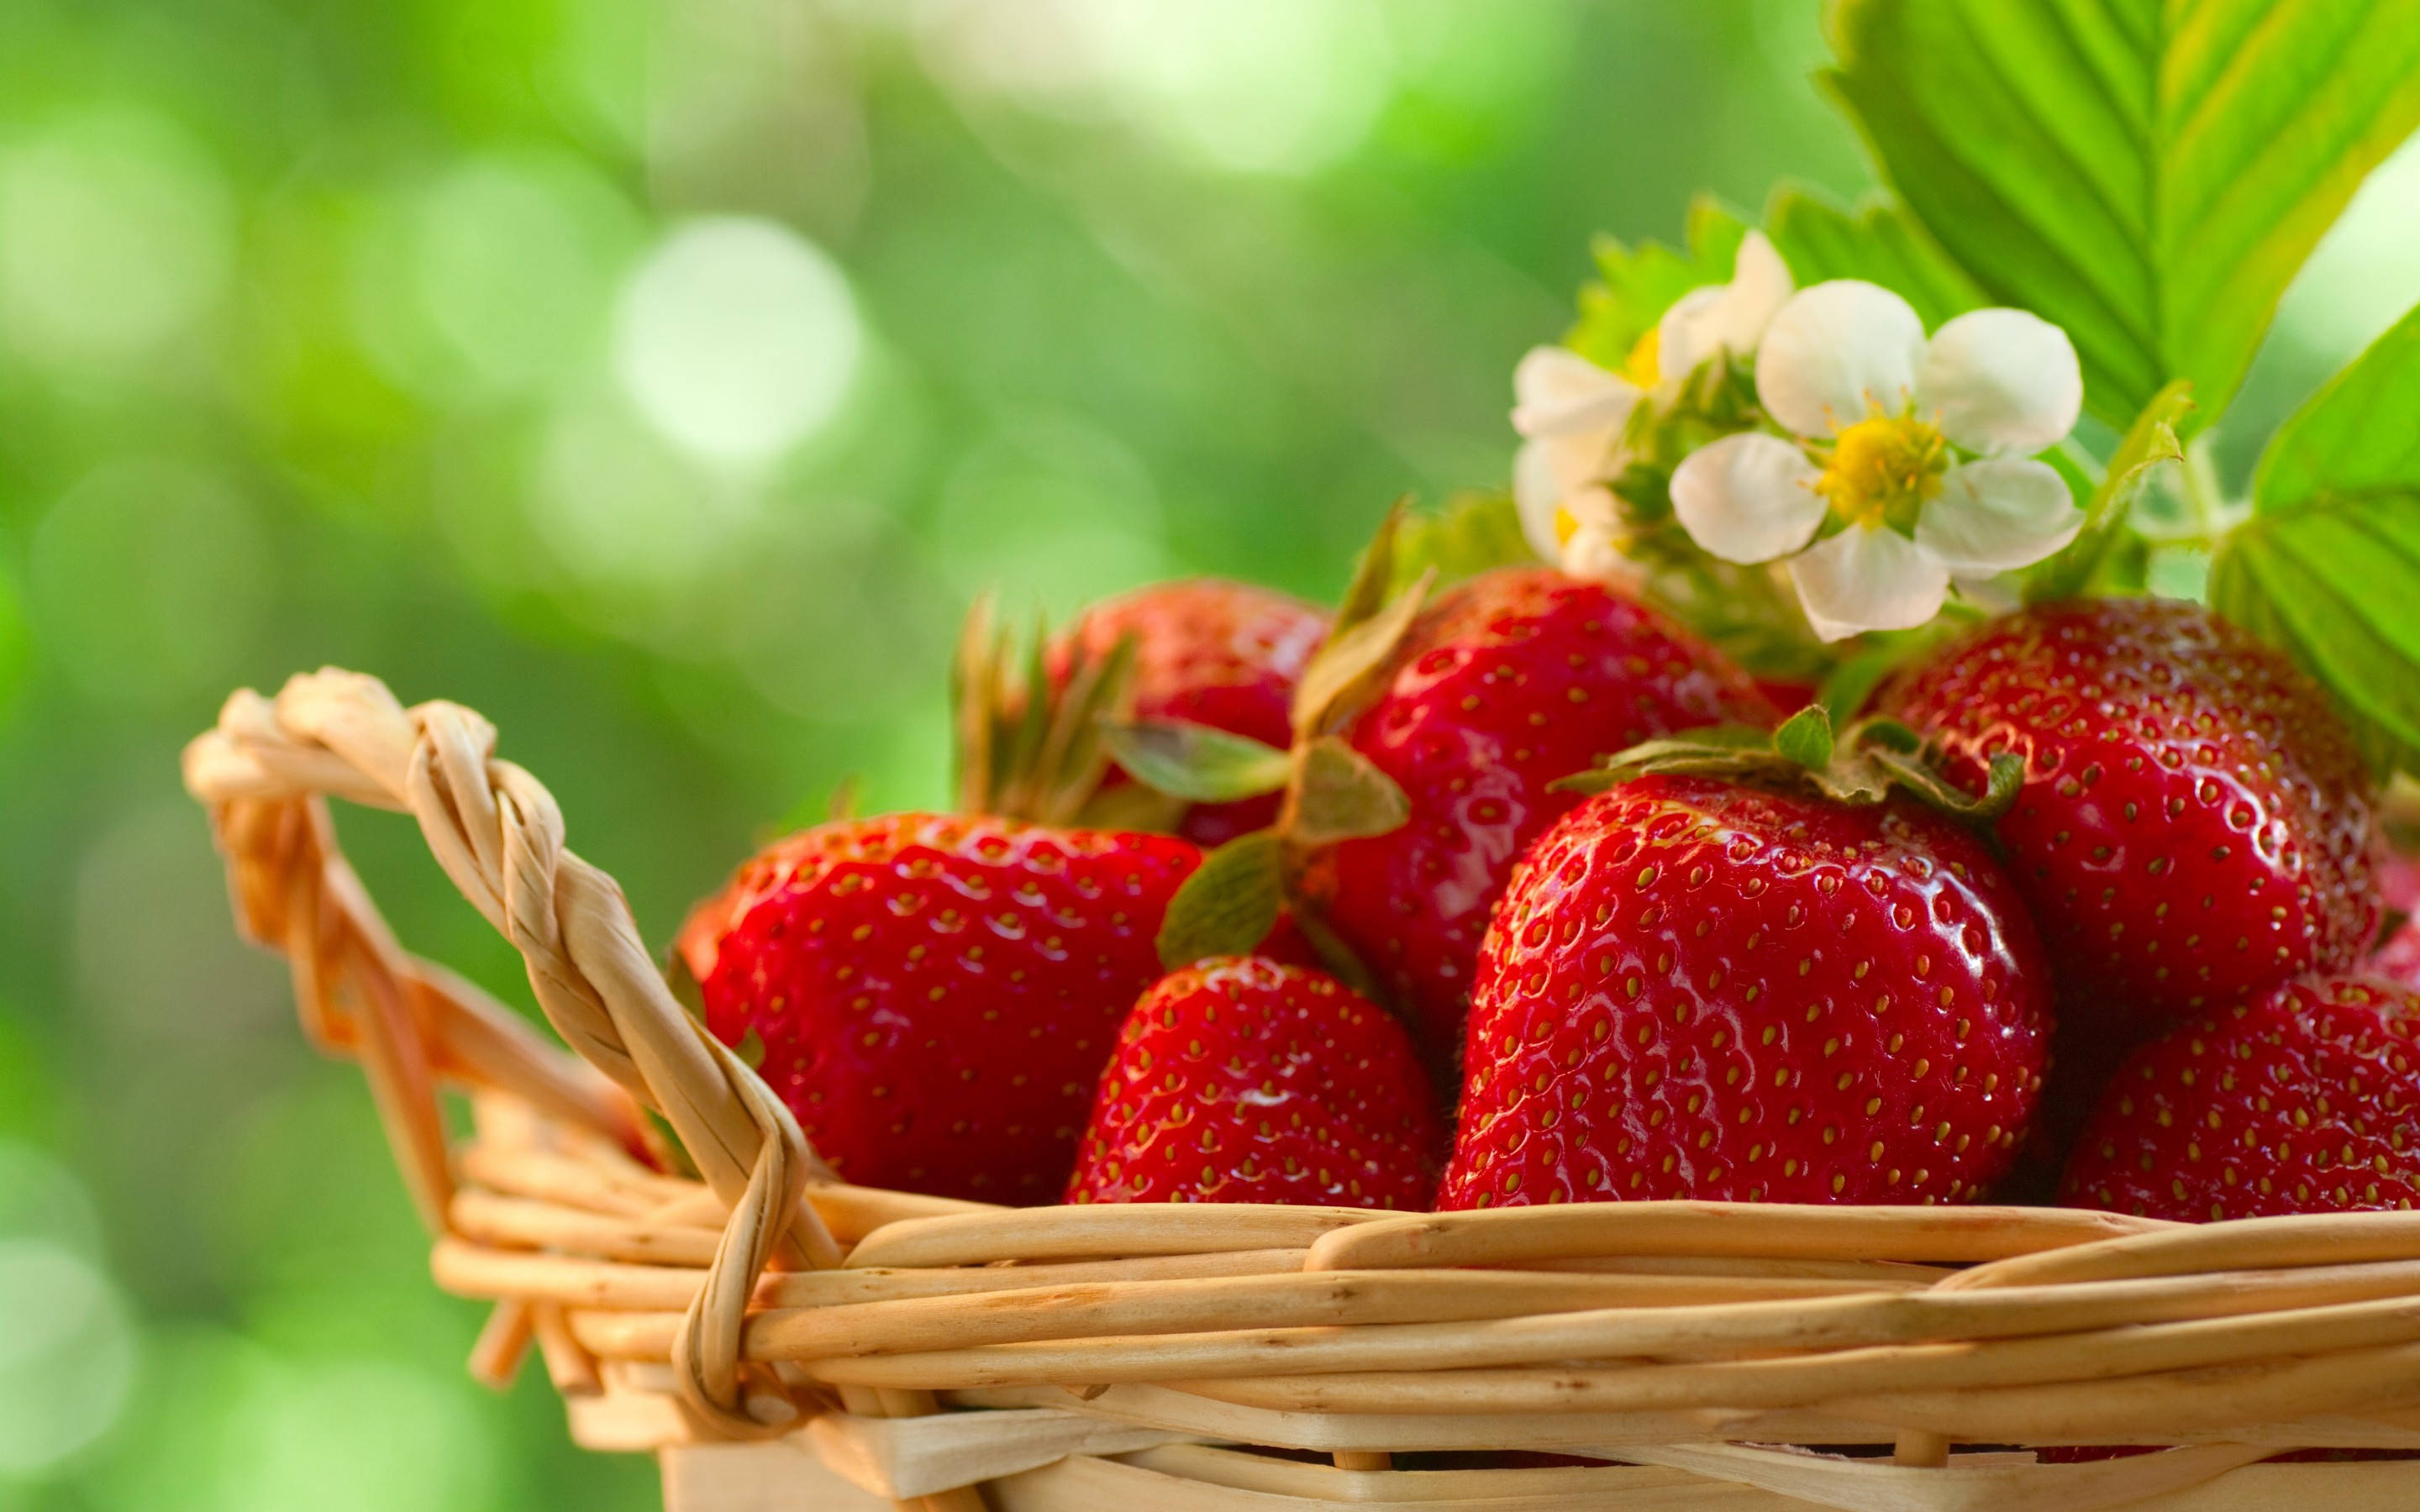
(2149, 441)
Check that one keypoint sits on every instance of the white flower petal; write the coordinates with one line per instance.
(1998, 514)
(1748, 497)
(1557, 391)
(2001, 381)
(1994, 593)
(1691, 331)
(1835, 351)
(1594, 506)
(1594, 554)
(1548, 474)
(1725, 316)
(1760, 285)
(1867, 578)
(1537, 493)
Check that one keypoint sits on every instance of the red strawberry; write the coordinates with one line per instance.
(1241, 1080)
(1696, 988)
(1208, 652)
(2305, 1100)
(2195, 823)
(1510, 681)
(935, 995)
(1788, 695)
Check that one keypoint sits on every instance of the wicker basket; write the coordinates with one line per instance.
(783, 1340)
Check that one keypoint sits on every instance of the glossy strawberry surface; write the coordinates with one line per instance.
(2306, 1099)
(1242, 1080)
(1513, 679)
(1211, 652)
(935, 995)
(1698, 989)
(2195, 824)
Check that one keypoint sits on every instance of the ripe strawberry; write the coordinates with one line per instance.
(1696, 988)
(2195, 823)
(935, 995)
(1788, 695)
(1241, 1080)
(1510, 681)
(1208, 652)
(2304, 1100)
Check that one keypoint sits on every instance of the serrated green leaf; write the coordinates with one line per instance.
(2327, 566)
(1879, 241)
(1228, 905)
(1194, 762)
(2333, 582)
(1343, 796)
(2147, 174)
(2149, 443)
(2359, 434)
(1637, 285)
(1475, 533)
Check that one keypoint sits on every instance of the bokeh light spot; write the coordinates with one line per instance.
(232, 1426)
(1276, 87)
(116, 234)
(149, 580)
(616, 505)
(736, 339)
(517, 255)
(66, 1354)
(40, 1198)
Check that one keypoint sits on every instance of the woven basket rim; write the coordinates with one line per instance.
(769, 1290)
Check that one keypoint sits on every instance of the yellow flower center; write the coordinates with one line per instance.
(1641, 368)
(1566, 526)
(1882, 471)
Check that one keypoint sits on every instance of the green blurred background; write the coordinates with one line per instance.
(661, 379)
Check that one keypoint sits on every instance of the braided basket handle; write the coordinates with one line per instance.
(264, 773)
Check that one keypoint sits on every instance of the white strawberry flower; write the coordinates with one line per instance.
(1572, 413)
(1909, 462)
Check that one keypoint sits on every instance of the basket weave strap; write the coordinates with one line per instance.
(264, 772)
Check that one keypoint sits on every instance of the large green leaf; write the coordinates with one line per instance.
(2360, 434)
(2329, 564)
(2335, 583)
(1879, 241)
(2148, 173)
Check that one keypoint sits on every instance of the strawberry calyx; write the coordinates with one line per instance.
(1332, 793)
(1028, 749)
(1859, 767)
